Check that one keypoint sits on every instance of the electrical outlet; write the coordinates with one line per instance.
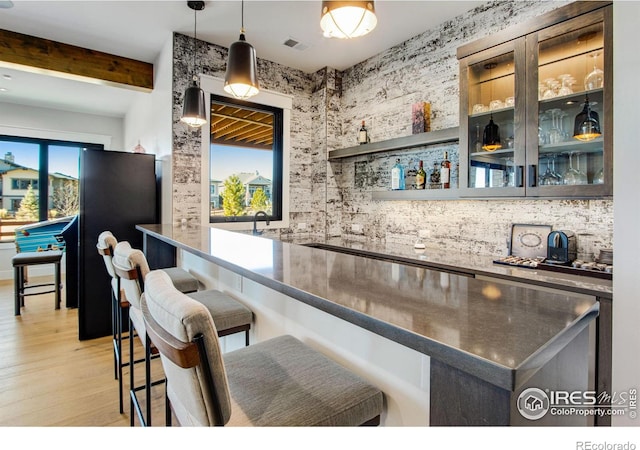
(424, 234)
(356, 228)
(302, 226)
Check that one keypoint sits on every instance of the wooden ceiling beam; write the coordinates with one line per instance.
(37, 55)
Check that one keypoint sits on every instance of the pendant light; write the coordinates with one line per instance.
(347, 19)
(587, 124)
(193, 110)
(241, 78)
(491, 134)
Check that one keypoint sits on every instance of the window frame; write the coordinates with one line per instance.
(277, 149)
(215, 86)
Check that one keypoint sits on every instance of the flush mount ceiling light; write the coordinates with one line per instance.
(193, 111)
(347, 20)
(241, 78)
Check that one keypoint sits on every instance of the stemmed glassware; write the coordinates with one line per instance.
(595, 78)
(555, 133)
(550, 177)
(565, 88)
(574, 175)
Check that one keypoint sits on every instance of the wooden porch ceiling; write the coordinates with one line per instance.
(234, 125)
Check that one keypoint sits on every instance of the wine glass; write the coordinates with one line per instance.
(557, 178)
(547, 178)
(595, 78)
(555, 134)
(565, 87)
(552, 88)
(581, 176)
(571, 176)
(598, 178)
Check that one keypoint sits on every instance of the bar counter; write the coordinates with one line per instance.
(485, 337)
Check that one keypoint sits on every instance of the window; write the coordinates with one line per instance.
(23, 184)
(39, 180)
(246, 160)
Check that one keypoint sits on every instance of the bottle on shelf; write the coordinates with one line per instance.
(363, 135)
(421, 177)
(410, 176)
(435, 175)
(397, 176)
(445, 171)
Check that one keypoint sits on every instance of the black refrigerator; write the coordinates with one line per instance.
(118, 190)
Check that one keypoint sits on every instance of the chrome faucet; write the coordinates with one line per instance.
(255, 218)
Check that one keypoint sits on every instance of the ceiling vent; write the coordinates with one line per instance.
(294, 43)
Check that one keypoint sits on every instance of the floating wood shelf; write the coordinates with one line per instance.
(416, 140)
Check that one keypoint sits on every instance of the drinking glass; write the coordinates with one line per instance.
(598, 178)
(565, 87)
(571, 175)
(582, 176)
(555, 134)
(551, 90)
(595, 78)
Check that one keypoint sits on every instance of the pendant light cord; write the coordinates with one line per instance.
(195, 41)
(242, 17)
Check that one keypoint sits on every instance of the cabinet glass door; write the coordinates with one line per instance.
(571, 111)
(491, 115)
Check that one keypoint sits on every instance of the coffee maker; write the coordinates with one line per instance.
(561, 247)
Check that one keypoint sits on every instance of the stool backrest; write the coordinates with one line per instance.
(183, 331)
(106, 245)
(131, 266)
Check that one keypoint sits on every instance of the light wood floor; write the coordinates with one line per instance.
(48, 377)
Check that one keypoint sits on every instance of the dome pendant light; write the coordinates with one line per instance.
(587, 125)
(347, 19)
(241, 78)
(491, 135)
(193, 110)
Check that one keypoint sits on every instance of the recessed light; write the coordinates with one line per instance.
(6, 76)
(2, 89)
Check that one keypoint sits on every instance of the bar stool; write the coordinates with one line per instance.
(278, 382)
(184, 281)
(131, 268)
(23, 260)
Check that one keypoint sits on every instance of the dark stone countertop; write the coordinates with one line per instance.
(463, 263)
(498, 332)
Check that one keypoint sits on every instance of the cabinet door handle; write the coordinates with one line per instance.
(519, 176)
(532, 175)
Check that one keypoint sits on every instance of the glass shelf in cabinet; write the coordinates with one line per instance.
(502, 153)
(575, 99)
(497, 111)
(594, 146)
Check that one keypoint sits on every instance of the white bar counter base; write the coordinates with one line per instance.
(445, 349)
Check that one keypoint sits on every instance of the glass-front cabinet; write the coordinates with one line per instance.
(537, 111)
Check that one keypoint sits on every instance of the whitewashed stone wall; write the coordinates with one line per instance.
(327, 198)
(381, 91)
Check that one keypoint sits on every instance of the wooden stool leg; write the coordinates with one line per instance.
(57, 286)
(16, 284)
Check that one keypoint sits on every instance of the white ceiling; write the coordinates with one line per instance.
(139, 29)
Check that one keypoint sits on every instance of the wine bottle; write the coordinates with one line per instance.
(363, 135)
(421, 177)
(397, 176)
(445, 171)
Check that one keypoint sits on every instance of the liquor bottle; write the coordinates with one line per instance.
(397, 176)
(410, 176)
(363, 136)
(445, 171)
(421, 177)
(435, 175)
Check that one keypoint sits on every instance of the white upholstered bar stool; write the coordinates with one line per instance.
(182, 279)
(131, 268)
(278, 382)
